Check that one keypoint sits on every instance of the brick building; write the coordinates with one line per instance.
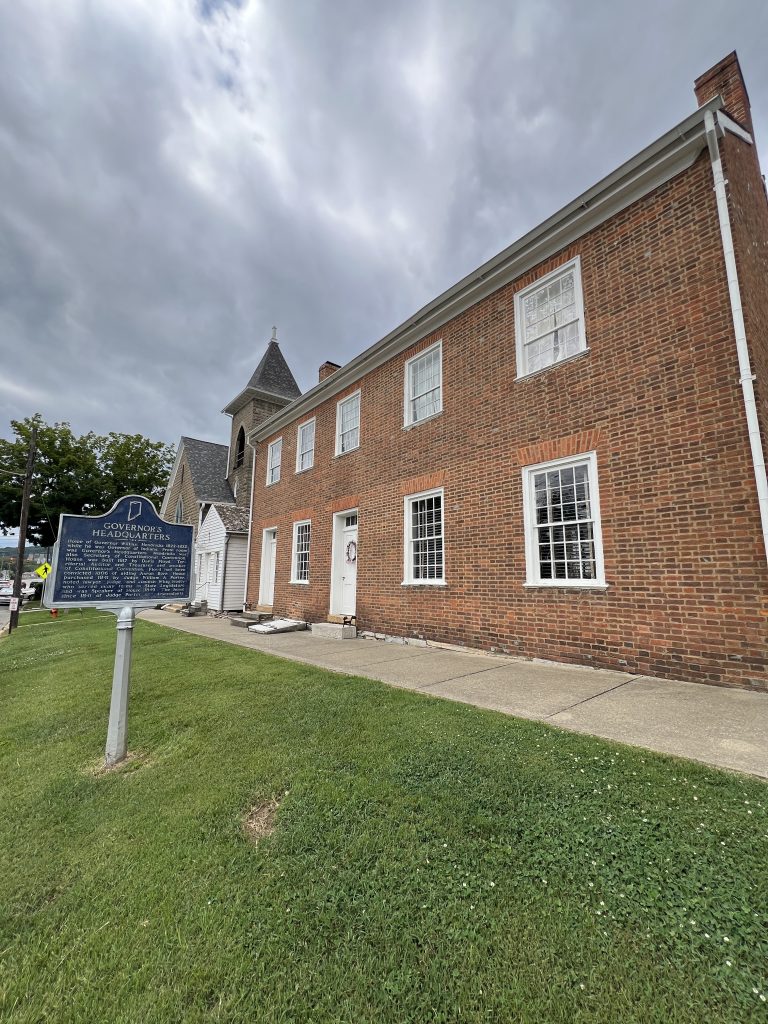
(561, 456)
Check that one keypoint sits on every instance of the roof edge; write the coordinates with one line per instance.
(172, 476)
(247, 393)
(670, 154)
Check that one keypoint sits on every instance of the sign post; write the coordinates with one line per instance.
(127, 559)
(117, 733)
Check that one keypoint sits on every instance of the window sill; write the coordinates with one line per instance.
(305, 470)
(565, 585)
(299, 583)
(553, 366)
(272, 483)
(349, 451)
(417, 423)
(424, 583)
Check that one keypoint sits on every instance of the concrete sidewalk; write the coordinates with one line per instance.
(723, 727)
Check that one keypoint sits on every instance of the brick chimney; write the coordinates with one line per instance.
(725, 79)
(327, 369)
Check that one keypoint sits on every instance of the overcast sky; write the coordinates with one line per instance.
(179, 175)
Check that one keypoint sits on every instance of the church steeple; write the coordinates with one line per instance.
(273, 374)
(272, 379)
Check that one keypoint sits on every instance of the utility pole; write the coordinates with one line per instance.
(25, 495)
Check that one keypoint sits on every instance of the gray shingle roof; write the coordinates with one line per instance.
(235, 519)
(208, 465)
(273, 374)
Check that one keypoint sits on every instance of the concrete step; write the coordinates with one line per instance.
(246, 619)
(333, 631)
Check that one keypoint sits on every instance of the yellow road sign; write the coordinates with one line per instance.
(43, 570)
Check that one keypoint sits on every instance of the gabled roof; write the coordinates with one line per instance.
(234, 520)
(272, 377)
(208, 463)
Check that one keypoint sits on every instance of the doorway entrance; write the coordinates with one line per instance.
(344, 575)
(267, 575)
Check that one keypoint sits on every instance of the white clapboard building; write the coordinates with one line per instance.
(220, 558)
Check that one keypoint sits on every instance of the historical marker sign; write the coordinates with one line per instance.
(130, 556)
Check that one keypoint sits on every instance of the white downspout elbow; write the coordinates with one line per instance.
(746, 377)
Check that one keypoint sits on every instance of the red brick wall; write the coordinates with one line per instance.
(725, 79)
(656, 396)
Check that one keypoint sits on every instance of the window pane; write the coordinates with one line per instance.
(274, 457)
(302, 539)
(564, 538)
(550, 326)
(306, 445)
(349, 424)
(426, 527)
(424, 386)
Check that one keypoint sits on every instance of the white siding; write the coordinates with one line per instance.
(226, 592)
(211, 540)
(234, 582)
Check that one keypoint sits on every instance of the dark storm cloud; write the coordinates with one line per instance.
(178, 176)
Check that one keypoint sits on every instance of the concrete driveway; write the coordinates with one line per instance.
(719, 726)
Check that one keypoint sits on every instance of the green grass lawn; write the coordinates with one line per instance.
(430, 861)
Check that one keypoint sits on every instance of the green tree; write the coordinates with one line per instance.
(77, 475)
(132, 464)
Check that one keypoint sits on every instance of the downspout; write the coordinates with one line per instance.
(224, 574)
(746, 377)
(250, 522)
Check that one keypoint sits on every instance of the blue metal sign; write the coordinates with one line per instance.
(130, 556)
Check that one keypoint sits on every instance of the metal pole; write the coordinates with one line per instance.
(117, 733)
(14, 619)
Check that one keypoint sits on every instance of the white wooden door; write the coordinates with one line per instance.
(208, 575)
(208, 589)
(268, 558)
(348, 559)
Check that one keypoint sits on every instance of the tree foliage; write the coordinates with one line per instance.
(82, 475)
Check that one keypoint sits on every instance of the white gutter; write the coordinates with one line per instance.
(745, 370)
(250, 523)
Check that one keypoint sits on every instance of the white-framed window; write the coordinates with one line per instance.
(424, 384)
(348, 424)
(561, 507)
(424, 547)
(549, 319)
(179, 511)
(302, 535)
(305, 446)
(274, 457)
